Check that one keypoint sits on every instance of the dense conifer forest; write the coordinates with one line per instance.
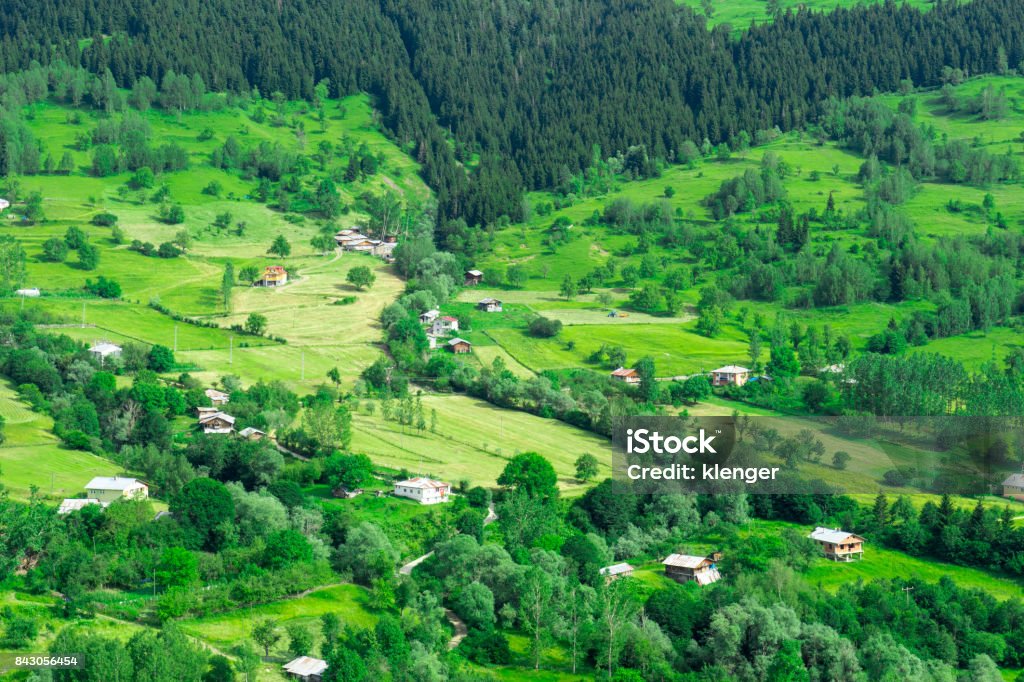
(527, 89)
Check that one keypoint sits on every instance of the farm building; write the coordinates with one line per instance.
(102, 350)
(684, 568)
(838, 545)
(1013, 487)
(249, 433)
(473, 277)
(730, 375)
(203, 410)
(106, 489)
(306, 668)
(489, 305)
(217, 397)
(429, 316)
(217, 422)
(28, 293)
(460, 346)
(626, 375)
(424, 490)
(273, 276)
(616, 571)
(4, 205)
(71, 504)
(443, 326)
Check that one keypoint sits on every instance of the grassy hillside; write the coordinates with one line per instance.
(741, 13)
(818, 169)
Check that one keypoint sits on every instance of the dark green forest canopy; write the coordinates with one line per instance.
(530, 86)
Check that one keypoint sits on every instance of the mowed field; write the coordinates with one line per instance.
(321, 333)
(474, 440)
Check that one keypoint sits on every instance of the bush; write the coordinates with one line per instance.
(104, 219)
(543, 327)
(103, 287)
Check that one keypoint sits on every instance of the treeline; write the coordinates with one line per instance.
(523, 104)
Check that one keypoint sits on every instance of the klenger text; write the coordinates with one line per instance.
(642, 441)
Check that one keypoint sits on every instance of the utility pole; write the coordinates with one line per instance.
(907, 591)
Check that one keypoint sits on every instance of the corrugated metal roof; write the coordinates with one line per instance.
(831, 535)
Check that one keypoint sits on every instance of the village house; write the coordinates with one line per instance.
(204, 410)
(626, 375)
(616, 571)
(443, 326)
(473, 277)
(489, 305)
(385, 248)
(424, 490)
(730, 375)
(28, 293)
(102, 350)
(684, 568)
(273, 276)
(838, 545)
(249, 433)
(217, 422)
(217, 397)
(306, 668)
(4, 205)
(429, 316)
(1013, 487)
(460, 346)
(71, 504)
(106, 489)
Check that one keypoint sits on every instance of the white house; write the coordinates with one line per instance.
(71, 504)
(730, 375)
(28, 293)
(429, 316)
(306, 668)
(106, 489)
(443, 326)
(424, 490)
(217, 397)
(4, 205)
(104, 349)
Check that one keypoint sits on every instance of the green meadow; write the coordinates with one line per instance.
(739, 14)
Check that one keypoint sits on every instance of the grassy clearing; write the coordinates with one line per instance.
(739, 14)
(226, 630)
(474, 441)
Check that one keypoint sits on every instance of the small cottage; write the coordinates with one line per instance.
(460, 346)
(102, 350)
(838, 545)
(626, 375)
(306, 668)
(429, 316)
(273, 276)
(249, 433)
(684, 568)
(217, 397)
(106, 489)
(217, 422)
(730, 375)
(424, 490)
(473, 277)
(616, 571)
(28, 293)
(1013, 487)
(489, 305)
